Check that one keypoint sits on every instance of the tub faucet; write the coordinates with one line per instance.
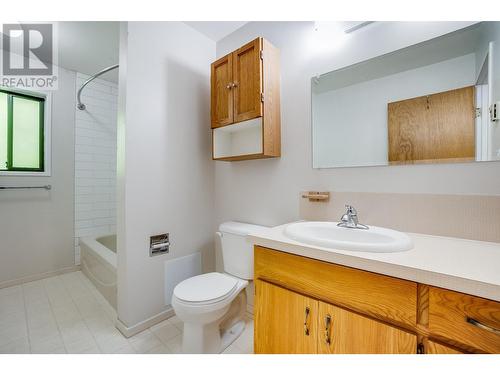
(350, 219)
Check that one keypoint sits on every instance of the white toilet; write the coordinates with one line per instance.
(212, 306)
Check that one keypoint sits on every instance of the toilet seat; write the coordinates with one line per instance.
(208, 288)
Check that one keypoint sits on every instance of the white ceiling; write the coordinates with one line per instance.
(89, 47)
(216, 30)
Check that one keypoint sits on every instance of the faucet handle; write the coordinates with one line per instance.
(350, 209)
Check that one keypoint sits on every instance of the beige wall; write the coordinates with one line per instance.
(36, 226)
(267, 191)
(165, 172)
(473, 217)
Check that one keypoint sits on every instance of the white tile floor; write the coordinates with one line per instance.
(66, 314)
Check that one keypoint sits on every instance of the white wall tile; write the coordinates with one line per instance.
(95, 160)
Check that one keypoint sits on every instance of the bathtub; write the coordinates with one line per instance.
(98, 262)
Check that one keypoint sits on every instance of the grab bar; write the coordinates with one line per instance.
(46, 187)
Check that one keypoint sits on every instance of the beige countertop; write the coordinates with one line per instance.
(466, 266)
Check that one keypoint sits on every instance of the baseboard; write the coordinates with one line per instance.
(145, 324)
(40, 276)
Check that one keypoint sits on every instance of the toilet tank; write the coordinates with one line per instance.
(237, 252)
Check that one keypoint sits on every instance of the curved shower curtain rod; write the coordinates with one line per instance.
(80, 105)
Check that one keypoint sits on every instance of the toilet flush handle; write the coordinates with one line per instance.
(219, 234)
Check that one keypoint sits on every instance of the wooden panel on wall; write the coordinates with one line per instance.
(433, 128)
(352, 333)
(247, 78)
(221, 97)
(448, 315)
(383, 297)
(279, 321)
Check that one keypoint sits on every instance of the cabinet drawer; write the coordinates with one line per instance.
(464, 320)
(383, 297)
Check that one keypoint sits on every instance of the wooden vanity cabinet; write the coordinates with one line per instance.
(434, 347)
(304, 305)
(245, 103)
(290, 323)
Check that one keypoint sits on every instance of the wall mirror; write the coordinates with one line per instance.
(434, 102)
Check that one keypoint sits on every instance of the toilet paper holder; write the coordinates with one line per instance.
(159, 244)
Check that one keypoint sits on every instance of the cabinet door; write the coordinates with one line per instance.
(247, 79)
(343, 332)
(285, 322)
(435, 348)
(221, 78)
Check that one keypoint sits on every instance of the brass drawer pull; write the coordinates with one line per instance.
(306, 318)
(328, 323)
(474, 322)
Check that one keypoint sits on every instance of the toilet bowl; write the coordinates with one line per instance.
(203, 303)
(212, 306)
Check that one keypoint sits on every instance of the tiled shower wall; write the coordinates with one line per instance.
(95, 160)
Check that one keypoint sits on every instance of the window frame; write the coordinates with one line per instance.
(45, 124)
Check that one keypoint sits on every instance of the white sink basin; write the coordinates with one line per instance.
(328, 234)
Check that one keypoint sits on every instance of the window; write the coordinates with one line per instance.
(21, 132)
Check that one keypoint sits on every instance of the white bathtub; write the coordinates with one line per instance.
(98, 260)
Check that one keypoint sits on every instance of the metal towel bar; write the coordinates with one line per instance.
(46, 187)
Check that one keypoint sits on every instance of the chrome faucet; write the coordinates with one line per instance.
(350, 219)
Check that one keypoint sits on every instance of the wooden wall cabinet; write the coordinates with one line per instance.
(307, 306)
(433, 128)
(245, 103)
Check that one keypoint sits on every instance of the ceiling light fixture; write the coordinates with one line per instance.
(357, 26)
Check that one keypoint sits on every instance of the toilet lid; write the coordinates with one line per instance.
(206, 287)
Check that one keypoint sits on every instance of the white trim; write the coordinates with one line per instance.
(40, 276)
(145, 324)
(47, 136)
(491, 73)
(484, 124)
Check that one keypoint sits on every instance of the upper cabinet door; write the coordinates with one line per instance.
(247, 81)
(221, 91)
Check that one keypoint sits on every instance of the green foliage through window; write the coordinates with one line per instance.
(21, 132)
